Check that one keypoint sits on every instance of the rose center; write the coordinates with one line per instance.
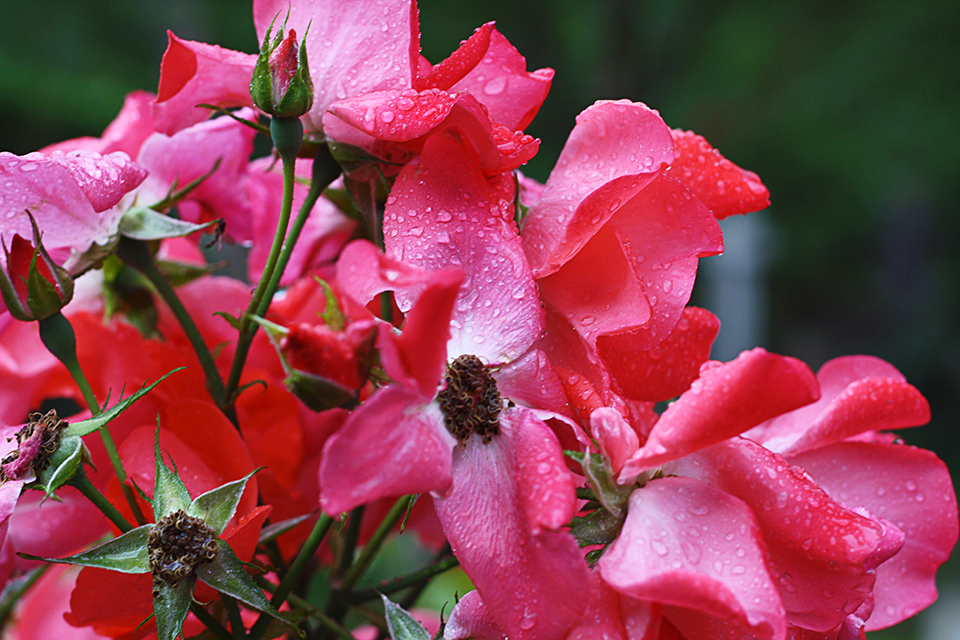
(177, 545)
(470, 402)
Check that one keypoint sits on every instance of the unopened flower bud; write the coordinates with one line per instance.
(32, 284)
(281, 84)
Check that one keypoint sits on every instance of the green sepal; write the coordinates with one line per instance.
(597, 527)
(143, 223)
(332, 312)
(126, 553)
(612, 496)
(227, 575)
(319, 393)
(63, 464)
(181, 273)
(170, 606)
(90, 425)
(43, 297)
(176, 195)
(217, 506)
(169, 492)
(401, 624)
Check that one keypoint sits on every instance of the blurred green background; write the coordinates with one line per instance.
(849, 111)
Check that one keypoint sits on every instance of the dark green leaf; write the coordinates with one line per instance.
(63, 464)
(227, 575)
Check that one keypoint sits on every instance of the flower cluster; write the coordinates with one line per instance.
(427, 340)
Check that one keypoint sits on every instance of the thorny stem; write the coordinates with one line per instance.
(325, 170)
(83, 484)
(320, 616)
(136, 254)
(372, 547)
(58, 337)
(210, 622)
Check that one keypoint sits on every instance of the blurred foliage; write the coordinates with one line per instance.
(849, 111)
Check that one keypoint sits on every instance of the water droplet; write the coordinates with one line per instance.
(387, 116)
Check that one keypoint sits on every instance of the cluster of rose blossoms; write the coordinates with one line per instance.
(427, 343)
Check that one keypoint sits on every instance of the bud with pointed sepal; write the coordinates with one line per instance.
(33, 286)
(281, 84)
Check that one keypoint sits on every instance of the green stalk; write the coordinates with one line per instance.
(211, 623)
(58, 337)
(320, 616)
(136, 254)
(325, 171)
(83, 484)
(300, 564)
(13, 593)
(372, 548)
(238, 631)
(401, 583)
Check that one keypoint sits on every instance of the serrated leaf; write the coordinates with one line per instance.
(218, 505)
(401, 624)
(170, 606)
(90, 425)
(227, 575)
(126, 553)
(169, 492)
(143, 223)
(63, 464)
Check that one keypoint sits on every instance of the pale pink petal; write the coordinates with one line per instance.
(909, 487)
(528, 577)
(353, 46)
(501, 82)
(194, 73)
(690, 545)
(725, 401)
(614, 151)
(326, 231)
(442, 211)
(63, 193)
(175, 161)
(531, 381)
(821, 554)
(392, 445)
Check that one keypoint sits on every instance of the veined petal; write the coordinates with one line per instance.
(690, 545)
(613, 152)
(501, 82)
(442, 212)
(528, 574)
(909, 487)
(391, 445)
(820, 552)
(725, 401)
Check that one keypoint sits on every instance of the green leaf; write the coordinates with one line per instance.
(227, 575)
(143, 223)
(611, 495)
(170, 606)
(63, 464)
(402, 625)
(169, 492)
(126, 553)
(84, 427)
(217, 506)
